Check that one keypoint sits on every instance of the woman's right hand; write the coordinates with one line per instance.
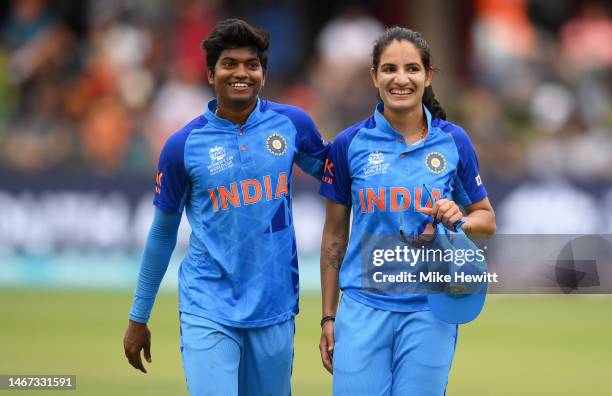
(326, 346)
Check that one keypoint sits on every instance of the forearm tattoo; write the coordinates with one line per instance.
(334, 254)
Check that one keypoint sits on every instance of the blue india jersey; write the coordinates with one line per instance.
(370, 168)
(234, 182)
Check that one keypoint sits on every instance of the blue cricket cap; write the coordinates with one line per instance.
(461, 299)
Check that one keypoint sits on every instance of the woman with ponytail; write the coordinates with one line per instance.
(402, 171)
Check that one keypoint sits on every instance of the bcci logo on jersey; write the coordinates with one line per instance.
(276, 144)
(435, 162)
(376, 164)
(219, 161)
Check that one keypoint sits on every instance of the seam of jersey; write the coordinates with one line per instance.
(459, 160)
(190, 134)
(348, 164)
(348, 148)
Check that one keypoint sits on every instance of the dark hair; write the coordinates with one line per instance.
(235, 33)
(399, 33)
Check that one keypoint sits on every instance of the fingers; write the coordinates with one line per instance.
(326, 359)
(440, 207)
(426, 210)
(132, 353)
(137, 338)
(147, 353)
(434, 211)
(136, 361)
(326, 347)
(445, 212)
(451, 215)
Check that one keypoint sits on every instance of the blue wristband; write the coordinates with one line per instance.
(458, 225)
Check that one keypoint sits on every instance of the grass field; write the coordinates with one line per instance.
(531, 345)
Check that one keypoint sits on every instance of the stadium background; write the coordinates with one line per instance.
(89, 91)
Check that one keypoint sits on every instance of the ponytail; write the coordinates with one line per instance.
(432, 104)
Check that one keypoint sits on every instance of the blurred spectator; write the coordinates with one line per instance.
(286, 28)
(495, 137)
(586, 38)
(195, 20)
(586, 58)
(38, 46)
(342, 76)
(32, 34)
(105, 134)
(183, 95)
(106, 96)
(504, 43)
(179, 100)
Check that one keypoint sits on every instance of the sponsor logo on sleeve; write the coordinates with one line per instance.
(328, 172)
(158, 182)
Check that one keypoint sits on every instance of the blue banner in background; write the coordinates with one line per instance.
(84, 230)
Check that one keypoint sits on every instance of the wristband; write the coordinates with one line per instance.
(458, 224)
(327, 319)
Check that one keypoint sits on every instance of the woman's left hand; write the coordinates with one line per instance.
(444, 211)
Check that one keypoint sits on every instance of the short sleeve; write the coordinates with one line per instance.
(311, 149)
(336, 180)
(468, 185)
(171, 181)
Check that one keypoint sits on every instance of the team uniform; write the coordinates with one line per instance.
(238, 284)
(391, 343)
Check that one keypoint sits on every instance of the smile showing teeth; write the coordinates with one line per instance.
(401, 91)
(239, 85)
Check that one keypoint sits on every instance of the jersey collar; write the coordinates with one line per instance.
(214, 119)
(384, 125)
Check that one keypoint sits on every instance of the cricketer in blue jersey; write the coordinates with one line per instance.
(405, 167)
(230, 170)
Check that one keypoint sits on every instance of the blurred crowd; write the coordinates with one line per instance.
(100, 85)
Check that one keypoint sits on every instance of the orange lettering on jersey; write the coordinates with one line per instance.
(158, 182)
(328, 168)
(376, 198)
(435, 194)
(226, 197)
(213, 199)
(417, 198)
(395, 192)
(372, 199)
(268, 187)
(246, 192)
(281, 187)
(363, 206)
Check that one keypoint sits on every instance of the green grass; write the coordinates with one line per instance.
(531, 345)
